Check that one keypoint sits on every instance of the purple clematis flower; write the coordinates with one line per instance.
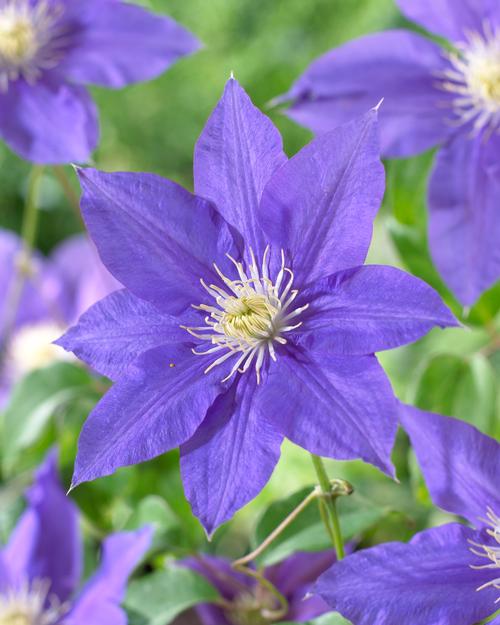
(448, 575)
(293, 578)
(433, 96)
(59, 289)
(247, 314)
(40, 567)
(49, 49)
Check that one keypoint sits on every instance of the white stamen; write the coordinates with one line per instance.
(475, 79)
(32, 39)
(31, 604)
(248, 320)
(32, 347)
(490, 552)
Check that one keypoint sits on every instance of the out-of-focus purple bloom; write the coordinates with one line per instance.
(260, 275)
(448, 575)
(432, 97)
(56, 293)
(40, 567)
(293, 578)
(49, 49)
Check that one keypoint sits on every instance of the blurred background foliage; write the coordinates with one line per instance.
(153, 127)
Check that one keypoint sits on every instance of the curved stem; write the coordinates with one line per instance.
(275, 533)
(23, 262)
(333, 527)
(265, 583)
(69, 192)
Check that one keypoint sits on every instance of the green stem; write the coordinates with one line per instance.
(68, 190)
(23, 262)
(333, 528)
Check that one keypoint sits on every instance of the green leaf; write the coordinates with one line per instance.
(34, 401)
(307, 532)
(461, 387)
(158, 598)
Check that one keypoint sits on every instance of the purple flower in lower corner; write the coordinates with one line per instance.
(447, 575)
(40, 566)
(50, 49)
(247, 315)
(433, 96)
(247, 599)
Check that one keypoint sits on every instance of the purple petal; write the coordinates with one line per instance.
(100, 599)
(155, 237)
(321, 204)
(118, 43)
(47, 543)
(396, 65)
(426, 581)
(450, 18)
(155, 407)
(220, 573)
(39, 293)
(5, 578)
(236, 154)
(461, 466)
(85, 278)
(464, 228)
(118, 329)
(49, 122)
(19, 551)
(342, 408)
(232, 455)
(368, 309)
(294, 578)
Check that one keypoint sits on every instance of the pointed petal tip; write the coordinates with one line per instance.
(377, 107)
(209, 533)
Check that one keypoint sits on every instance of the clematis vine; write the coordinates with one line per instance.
(248, 602)
(448, 97)
(247, 315)
(447, 575)
(50, 49)
(58, 291)
(40, 567)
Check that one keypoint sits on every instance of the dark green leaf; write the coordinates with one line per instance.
(158, 598)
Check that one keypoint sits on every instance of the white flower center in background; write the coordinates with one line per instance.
(31, 348)
(30, 41)
(248, 316)
(490, 552)
(475, 79)
(30, 604)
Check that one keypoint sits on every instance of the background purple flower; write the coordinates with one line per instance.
(448, 575)
(40, 567)
(48, 50)
(58, 290)
(293, 578)
(432, 97)
(285, 321)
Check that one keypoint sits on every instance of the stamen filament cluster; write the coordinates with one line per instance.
(475, 79)
(491, 553)
(31, 40)
(249, 315)
(31, 604)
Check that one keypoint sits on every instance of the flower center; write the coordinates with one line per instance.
(490, 552)
(248, 316)
(30, 604)
(31, 348)
(30, 40)
(17, 38)
(475, 79)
